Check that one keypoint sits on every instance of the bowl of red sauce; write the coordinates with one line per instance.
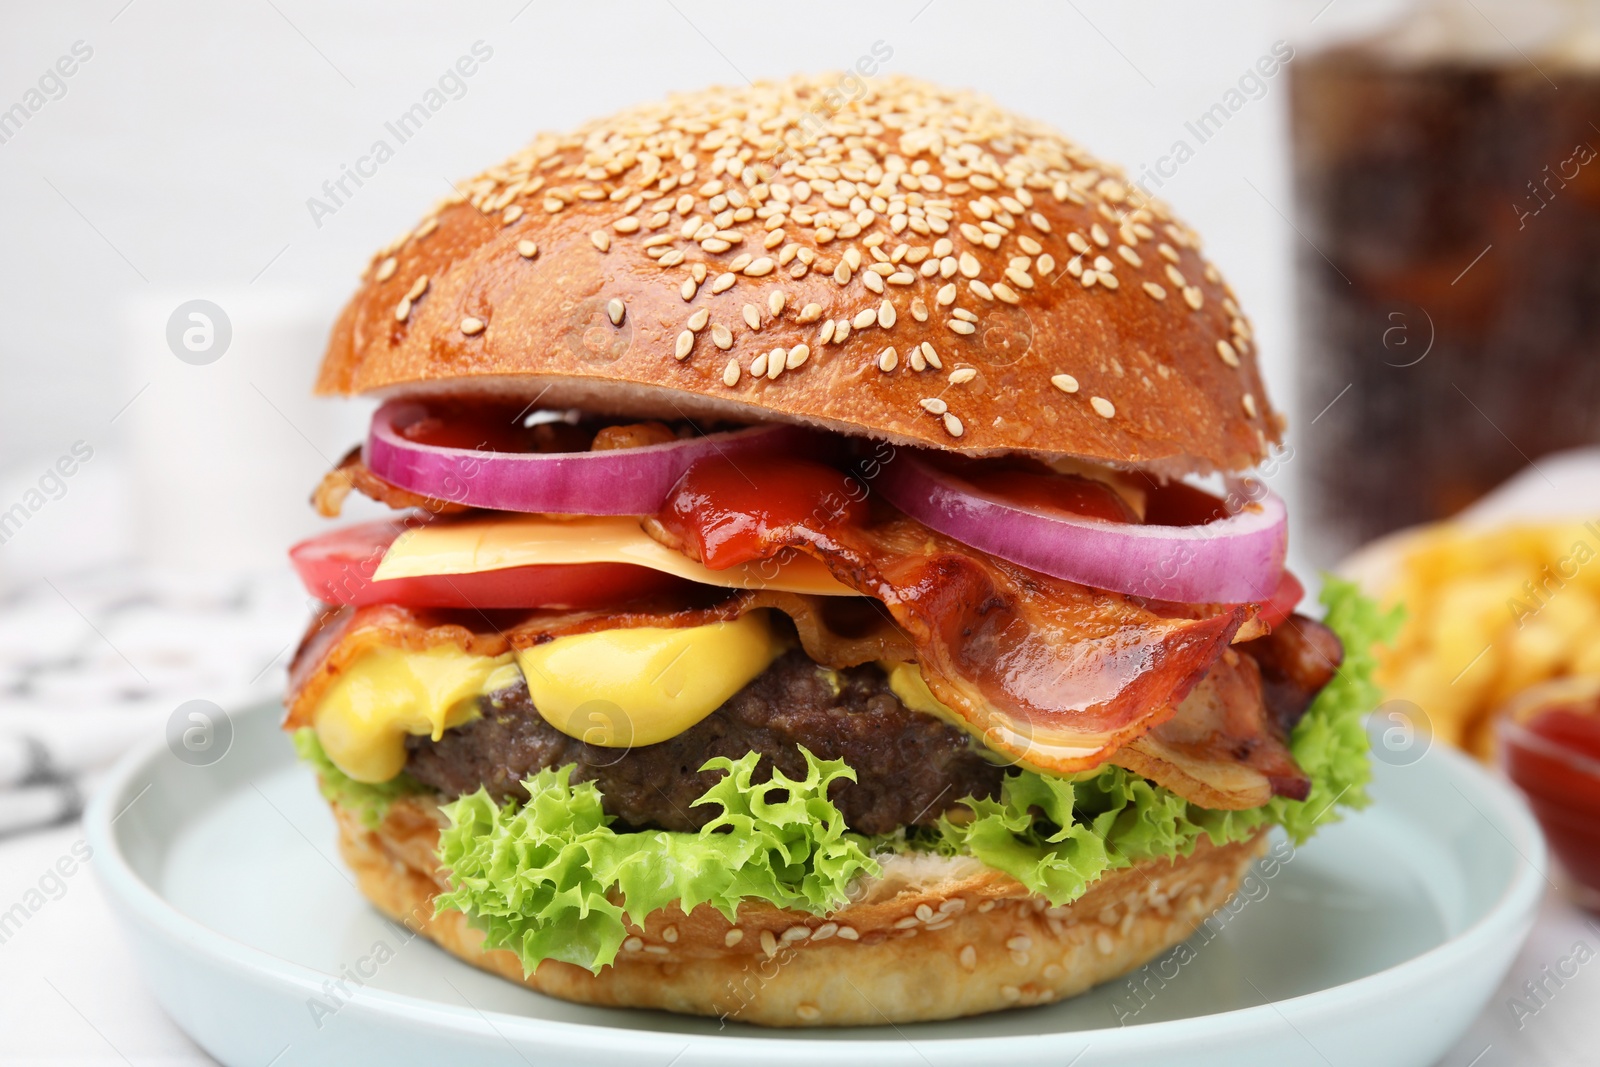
(1550, 747)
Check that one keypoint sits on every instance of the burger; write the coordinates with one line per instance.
(824, 585)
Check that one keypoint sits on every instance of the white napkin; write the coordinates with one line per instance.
(94, 663)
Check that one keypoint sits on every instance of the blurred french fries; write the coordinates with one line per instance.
(1489, 613)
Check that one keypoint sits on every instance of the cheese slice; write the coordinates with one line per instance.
(643, 685)
(499, 542)
(613, 688)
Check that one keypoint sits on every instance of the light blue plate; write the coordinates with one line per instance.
(1376, 944)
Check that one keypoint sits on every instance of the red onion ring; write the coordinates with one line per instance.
(1234, 560)
(624, 481)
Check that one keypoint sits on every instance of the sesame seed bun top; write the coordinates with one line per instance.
(914, 264)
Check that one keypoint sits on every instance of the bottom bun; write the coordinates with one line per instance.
(933, 937)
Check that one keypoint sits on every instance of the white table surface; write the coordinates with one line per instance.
(72, 993)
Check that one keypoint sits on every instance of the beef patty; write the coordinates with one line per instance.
(910, 767)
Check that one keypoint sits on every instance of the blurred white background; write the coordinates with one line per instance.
(176, 163)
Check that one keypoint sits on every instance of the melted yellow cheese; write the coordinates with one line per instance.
(619, 688)
(363, 719)
(501, 541)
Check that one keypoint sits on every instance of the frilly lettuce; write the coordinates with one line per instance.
(549, 878)
(1056, 835)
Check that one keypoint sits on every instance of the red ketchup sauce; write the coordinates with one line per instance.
(731, 512)
(1552, 752)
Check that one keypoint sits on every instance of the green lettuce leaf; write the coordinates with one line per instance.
(1056, 835)
(368, 801)
(550, 879)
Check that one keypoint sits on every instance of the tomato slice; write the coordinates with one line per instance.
(1281, 604)
(337, 568)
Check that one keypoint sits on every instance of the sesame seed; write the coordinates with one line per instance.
(1079, 245)
(1129, 256)
(981, 289)
(848, 933)
(1193, 297)
(888, 359)
(601, 240)
(687, 289)
(1039, 222)
(825, 931)
(825, 334)
(840, 331)
(918, 361)
(553, 205)
(1005, 293)
(769, 943)
(511, 214)
(963, 375)
(730, 378)
(698, 320)
(633, 944)
(946, 295)
(614, 311)
(952, 425)
(402, 310)
(724, 282)
(759, 267)
(943, 247)
(797, 933)
(752, 317)
(1064, 382)
(931, 356)
(933, 405)
(969, 265)
(471, 326)
(886, 315)
(386, 269)
(924, 912)
(968, 957)
(1046, 264)
(873, 281)
(1168, 253)
(864, 318)
(1029, 245)
(1089, 278)
(965, 329)
(964, 315)
(777, 361)
(797, 356)
(669, 934)
(685, 343)
(1102, 263)
(418, 287)
(734, 936)
(775, 303)
(1250, 405)
(1175, 276)
(1107, 279)
(758, 366)
(1155, 290)
(1102, 407)
(1019, 943)
(809, 1012)
(919, 310)
(721, 336)
(1229, 356)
